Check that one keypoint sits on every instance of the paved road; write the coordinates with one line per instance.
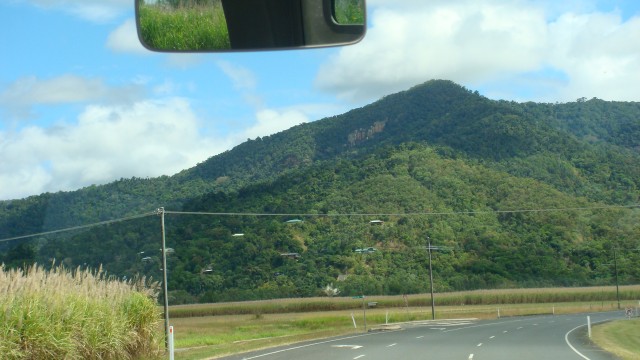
(523, 338)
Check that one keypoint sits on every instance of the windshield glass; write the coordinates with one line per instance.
(461, 147)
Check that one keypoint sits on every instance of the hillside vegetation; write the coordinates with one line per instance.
(520, 194)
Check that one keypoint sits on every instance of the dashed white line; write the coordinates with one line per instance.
(420, 337)
(491, 337)
(519, 328)
(470, 356)
(479, 344)
(394, 344)
(353, 347)
(506, 331)
(358, 357)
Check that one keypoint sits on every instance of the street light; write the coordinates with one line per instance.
(363, 252)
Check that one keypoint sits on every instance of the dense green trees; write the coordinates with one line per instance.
(436, 160)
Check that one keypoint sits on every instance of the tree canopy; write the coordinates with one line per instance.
(523, 194)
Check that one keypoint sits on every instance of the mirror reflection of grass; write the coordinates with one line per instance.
(349, 11)
(195, 27)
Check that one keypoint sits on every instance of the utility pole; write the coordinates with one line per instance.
(160, 211)
(433, 300)
(615, 267)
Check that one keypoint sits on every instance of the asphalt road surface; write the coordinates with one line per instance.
(522, 338)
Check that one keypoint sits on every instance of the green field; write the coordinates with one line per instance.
(208, 330)
(189, 28)
(619, 337)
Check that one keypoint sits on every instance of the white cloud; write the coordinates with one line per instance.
(271, 121)
(243, 79)
(20, 96)
(92, 10)
(124, 39)
(184, 60)
(600, 55)
(148, 138)
(489, 42)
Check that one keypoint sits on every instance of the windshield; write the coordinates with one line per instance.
(460, 146)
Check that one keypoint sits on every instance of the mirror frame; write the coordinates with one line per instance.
(317, 28)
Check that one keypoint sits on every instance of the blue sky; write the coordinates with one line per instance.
(82, 103)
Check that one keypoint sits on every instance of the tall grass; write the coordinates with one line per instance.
(81, 314)
(464, 298)
(187, 28)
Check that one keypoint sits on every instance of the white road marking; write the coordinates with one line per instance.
(437, 328)
(358, 357)
(394, 344)
(308, 345)
(566, 339)
(519, 328)
(420, 337)
(492, 337)
(481, 325)
(506, 331)
(453, 323)
(470, 356)
(479, 344)
(352, 347)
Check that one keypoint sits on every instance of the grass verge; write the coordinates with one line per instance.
(621, 338)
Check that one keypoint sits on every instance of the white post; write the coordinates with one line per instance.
(170, 342)
(589, 325)
(553, 310)
(354, 321)
(498, 313)
(386, 318)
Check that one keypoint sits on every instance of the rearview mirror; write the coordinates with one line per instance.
(227, 25)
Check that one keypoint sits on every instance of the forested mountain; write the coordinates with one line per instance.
(523, 194)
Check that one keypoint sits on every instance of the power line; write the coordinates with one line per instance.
(427, 213)
(80, 227)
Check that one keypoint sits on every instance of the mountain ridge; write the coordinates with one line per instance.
(439, 112)
(527, 194)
